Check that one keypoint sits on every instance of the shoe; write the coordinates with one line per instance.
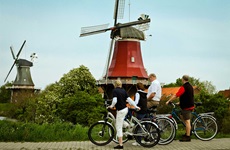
(118, 147)
(185, 138)
(135, 144)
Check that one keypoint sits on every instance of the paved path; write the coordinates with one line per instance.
(215, 144)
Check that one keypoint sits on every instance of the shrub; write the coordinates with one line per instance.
(30, 132)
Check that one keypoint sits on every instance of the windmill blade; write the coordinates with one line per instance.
(15, 59)
(118, 10)
(85, 31)
(109, 59)
(10, 70)
(12, 52)
(20, 49)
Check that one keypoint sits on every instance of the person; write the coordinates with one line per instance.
(120, 98)
(186, 102)
(141, 101)
(154, 92)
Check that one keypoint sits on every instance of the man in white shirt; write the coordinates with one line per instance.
(154, 91)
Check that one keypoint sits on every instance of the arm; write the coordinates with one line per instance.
(151, 96)
(131, 102)
(152, 91)
(137, 98)
(113, 102)
(178, 94)
(171, 99)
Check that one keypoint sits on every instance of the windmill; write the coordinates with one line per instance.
(125, 51)
(23, 85)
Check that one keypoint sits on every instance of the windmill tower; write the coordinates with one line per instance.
(23, 86)
(124, 58)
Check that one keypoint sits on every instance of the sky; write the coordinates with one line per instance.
(187, 37)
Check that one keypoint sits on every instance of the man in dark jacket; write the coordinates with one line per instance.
(186, 97)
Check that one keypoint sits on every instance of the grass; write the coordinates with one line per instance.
(29, 132)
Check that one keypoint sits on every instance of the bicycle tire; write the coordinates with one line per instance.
(101, 133)
(147, 140)
(124, 140)
(205, 128)
(167, 130)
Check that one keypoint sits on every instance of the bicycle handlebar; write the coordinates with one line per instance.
(173, 104)
(106, 105)
(195, 103)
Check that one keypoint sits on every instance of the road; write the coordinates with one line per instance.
(215, 144)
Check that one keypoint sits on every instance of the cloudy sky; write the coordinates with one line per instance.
(188, 37)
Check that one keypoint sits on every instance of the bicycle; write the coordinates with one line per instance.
(146, 133)
(203, 125)
(166, 125)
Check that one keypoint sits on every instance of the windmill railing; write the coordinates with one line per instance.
(124, 81)
(20, 87)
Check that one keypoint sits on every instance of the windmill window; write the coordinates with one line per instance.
(132, 59)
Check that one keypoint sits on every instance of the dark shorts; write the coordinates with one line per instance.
(186, 114)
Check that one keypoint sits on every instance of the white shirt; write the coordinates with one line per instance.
(155, 87)
(137, 96)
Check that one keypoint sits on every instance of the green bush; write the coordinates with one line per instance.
(4, 108)
(30, 132)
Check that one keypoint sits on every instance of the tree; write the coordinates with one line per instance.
(5, 93)
(81, 108)
(79, 97)
(73, 98)
(202, 85)
(214, 103)
(78, 79)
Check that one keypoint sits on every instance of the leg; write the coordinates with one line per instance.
(130, 113)
(186, 115)
(151, 103)
(187, 127)
(119, 123)
(141, 116)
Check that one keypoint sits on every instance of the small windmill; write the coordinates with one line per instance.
(23, 85)
(125, 51)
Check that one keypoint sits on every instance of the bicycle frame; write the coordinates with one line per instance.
(196, 116)
(109, 118)
(138, 123)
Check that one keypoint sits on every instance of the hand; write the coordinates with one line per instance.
(109, 107)
(138, 108)
(167, 102)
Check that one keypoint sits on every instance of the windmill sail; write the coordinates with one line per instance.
(86, 31)
(118, 10)
(15, 59)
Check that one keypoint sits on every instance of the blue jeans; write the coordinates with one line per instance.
(141, 116)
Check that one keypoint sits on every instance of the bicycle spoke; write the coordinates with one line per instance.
(167, 130)
(148, 134)
(100, 133)
(205, 128)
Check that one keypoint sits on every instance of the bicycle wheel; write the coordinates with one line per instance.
(148, 135)
(167, 130)
(205, 128)
(125, 138)
(101, 133)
